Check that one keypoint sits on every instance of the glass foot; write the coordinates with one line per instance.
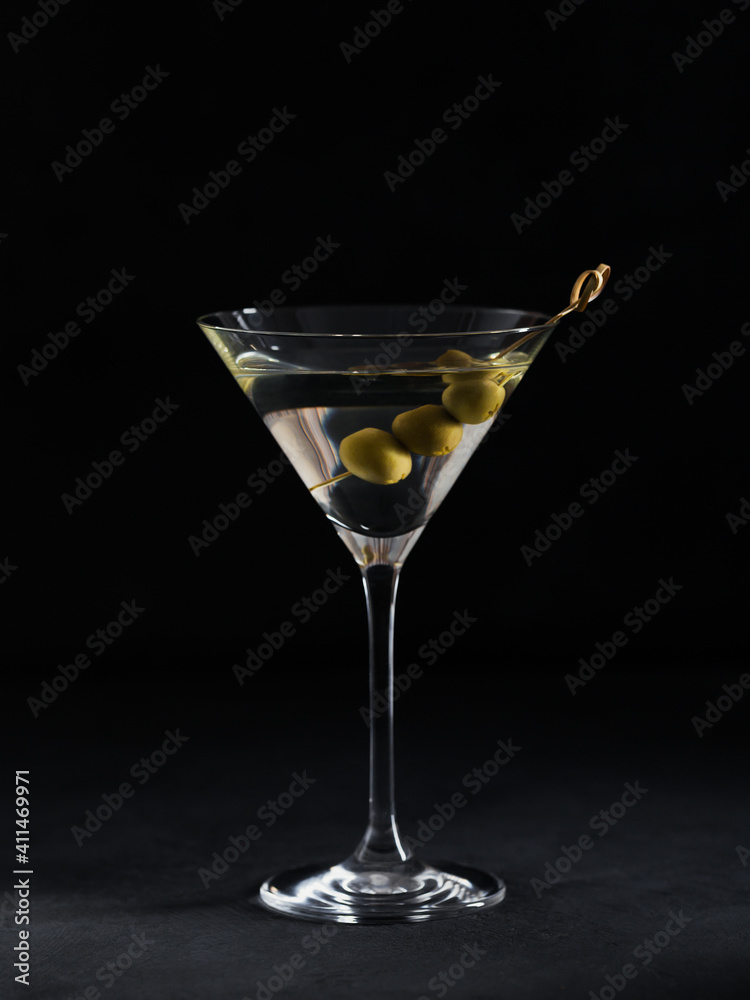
(354, 892)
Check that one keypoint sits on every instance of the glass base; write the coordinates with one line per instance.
(354, 892)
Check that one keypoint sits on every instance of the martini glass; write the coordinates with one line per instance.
(378, 421)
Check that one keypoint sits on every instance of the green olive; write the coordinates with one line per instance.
(375, 456)
(473, 402)
(428, 430)
(460, 359)
(455, 359)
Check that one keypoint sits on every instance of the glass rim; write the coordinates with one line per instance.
(544, 324)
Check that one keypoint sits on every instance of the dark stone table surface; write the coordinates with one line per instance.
(123, 913)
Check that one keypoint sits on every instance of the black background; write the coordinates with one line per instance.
(655, 186)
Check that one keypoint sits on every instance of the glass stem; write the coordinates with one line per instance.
(381, 842)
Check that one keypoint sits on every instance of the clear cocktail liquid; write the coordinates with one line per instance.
(310, 414)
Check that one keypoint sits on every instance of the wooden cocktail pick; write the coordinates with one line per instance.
(588, 286)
